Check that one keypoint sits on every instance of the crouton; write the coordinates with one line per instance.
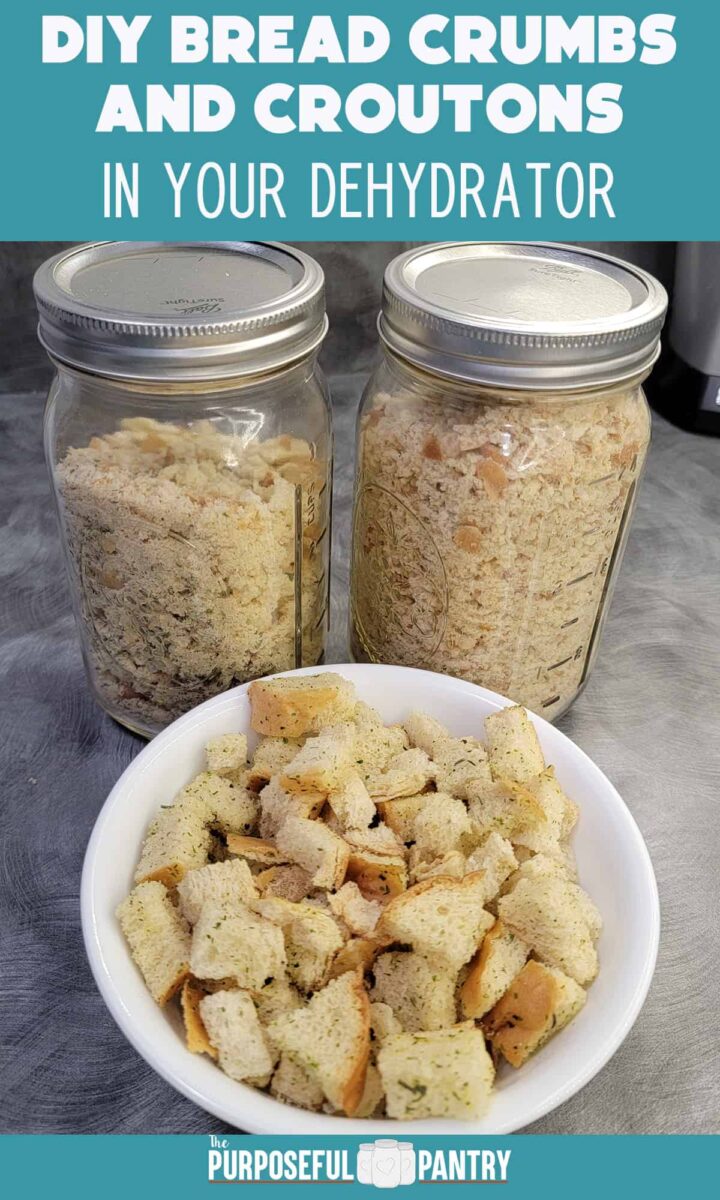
(439, 827)
(323, 763)
(560, 816)
(373, 1094)
(255, 850)
(225, 884)
(378, 840)
(383, 1021)
(421, 994)
(513, 747)
(534, 867)
(301, 704)
(357, 953)
(375, 744)
(330, 1039)
(378, 876)
(453, 863)
(240, 945)
(495, 857)
(500, 958)
(358, 914)
(312, 938)
(276, 804)
(503, 807)
(405, 775)
(158, 937)
(351, 804)
(460, 762)
(234, 1030)
(294, 1085)
(271, 756)
(196, 1035)
(233, 809)
(540, 1002)
(441, 1073)
(399, 815)
(425, 733)
(442, 918)
(289, 882)
(226, 753)
(550, 916)
(275, 997)
(316, 849)
(177, 841)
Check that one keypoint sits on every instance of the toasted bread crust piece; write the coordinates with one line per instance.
(196, 1035)
(378, 876)
(158, 937)
(257, 850)
(500, 958)
(300, 705)
(357, 953)
(514, 750)
(539, 1003)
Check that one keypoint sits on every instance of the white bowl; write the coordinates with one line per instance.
(614, 867)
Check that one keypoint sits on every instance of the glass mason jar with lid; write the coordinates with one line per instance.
(189, 439)
(500, 443)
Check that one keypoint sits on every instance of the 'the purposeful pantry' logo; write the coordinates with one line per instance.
(384, 1163)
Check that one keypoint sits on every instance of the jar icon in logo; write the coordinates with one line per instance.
(386, 1164)
(363, 1167)
(407, 1162)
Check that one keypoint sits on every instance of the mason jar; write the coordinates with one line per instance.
(500, 445)
(188, 434)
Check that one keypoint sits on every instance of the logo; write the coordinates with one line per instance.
(386, 1163)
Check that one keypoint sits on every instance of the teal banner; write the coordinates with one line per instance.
(555, 1167)
(370, 121)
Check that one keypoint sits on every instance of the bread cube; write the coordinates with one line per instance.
(405, 775)
(460, 762)
(256, 850)
(399, 815)
(289, 882)
(226, 884)
(357, 954)
(292, 1084)
(358, 914)
(560, 817)
(351, 804)
(275, 997)
(234, 1030)
(500, 958)
(441, 1073)
(158, 937)
(240, 945)
(420, 993)
(330, 1039)
(301, 704)
(440, 827)
(383, 1021)
(271, 756)
(442, 918)
(196, 1035)
(453, 863)
(276, 805)
(316, 849)
(378, 876)
(228, 752)
(551, 915)
(312, 938)
(539, 1003)
(513, 747)
(503, 807)
(323, 763)
(495, 858)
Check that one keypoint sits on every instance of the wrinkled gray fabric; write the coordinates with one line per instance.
(649, 718)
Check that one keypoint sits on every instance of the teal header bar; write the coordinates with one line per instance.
(452, 121)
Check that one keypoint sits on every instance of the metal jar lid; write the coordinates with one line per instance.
(537, 315)
(180, 310)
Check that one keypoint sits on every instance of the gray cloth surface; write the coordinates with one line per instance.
(649, 718)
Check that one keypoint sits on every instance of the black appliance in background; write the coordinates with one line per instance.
(685, 385)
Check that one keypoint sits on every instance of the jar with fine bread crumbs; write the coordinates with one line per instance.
(500, 444)
(188, 436)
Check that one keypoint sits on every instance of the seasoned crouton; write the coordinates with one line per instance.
(289, 882)
(383, 1021)
(196, 1035)
(294, 1085)
(276, 804)
(399, 815)
(378, 876)
(240, 945)
(226, 753)
(177, 841)
(500, 958)
(356, 953)
(301, 704)
(312, 938)
(373, 1094)
(439, 827)
(442, 918)
(441, 1073)
(460, 762)
(255, 850)
(375, 744)
(420, 993)
(549, 914)
(378, 840)
(225, 884)
(503, 807)
(359, 915)
(539, 1003)
(330, 1039)
(323, 763)
(234, 1030)
(533, 868)
(316, 849)
(271, 757)
(453, 863)
(405, 775)
(158, 937)
(495, 857)
(425, 733)
(233, 809)
(513, 747)
(560, 816)
(351, 804)
(275, 997)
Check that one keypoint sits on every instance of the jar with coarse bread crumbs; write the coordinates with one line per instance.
(500, 444)
(189, 440)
